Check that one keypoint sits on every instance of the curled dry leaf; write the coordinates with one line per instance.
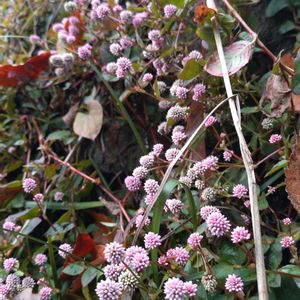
(12, 76)
(292, 177)
(277, 90)
(88, 124)
(237, 55)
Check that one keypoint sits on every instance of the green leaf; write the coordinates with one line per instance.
(191, 70)
(250, 110)
(274, 280)
(191, 207)
(66, 206)
(30, 214)
(278, 166)
(262, 202)
(275, 255)
(275, 6)
(287, 290)
(88, 276)
(178, 3)
(58, 135)
(73, 269)
(231, 253)
(222, 270)
(248, 274)
(290, 269)
(286, 27)
(237, 55)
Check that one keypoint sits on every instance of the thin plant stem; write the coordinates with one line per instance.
(246, 155)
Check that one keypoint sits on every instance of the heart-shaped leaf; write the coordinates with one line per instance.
(237, 56)
(88, 124)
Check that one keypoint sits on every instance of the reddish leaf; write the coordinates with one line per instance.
(203, 13)
(12, 76)
(79, 35)
(84, 245)
(237, 56)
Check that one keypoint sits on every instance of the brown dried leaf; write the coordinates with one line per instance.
(277, 90)
(296, 102)
(292, 177)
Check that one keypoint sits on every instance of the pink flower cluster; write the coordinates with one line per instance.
(240, 234)
(234, 283)
(176, 289)
(194, 240)
(240, 191)
(152, 240)
(217, 224)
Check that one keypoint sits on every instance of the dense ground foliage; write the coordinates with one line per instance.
(121, 170)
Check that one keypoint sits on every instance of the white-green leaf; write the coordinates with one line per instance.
(73, 269)
(237, 55)
(88, 124)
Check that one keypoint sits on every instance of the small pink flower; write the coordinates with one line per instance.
(152, 240)
(170, 10)
(174, 289)
(194, 240)
(271, 189)
(115, 49)
(151, 186)
(132, 183)
(65, 250)
(149, 199)
(38, 198)
(140, 261)
(7, 225)
(198, 91)
(85, 52)
(181, 92)
(147, 161)
(178, 137)
(40, 259)
(287, 242)
(171, 154)
(217, 224)
(275, 138)
(247, 203)
(138, 221)
(114, 253)
(34, 39)
(239, 234)
(234, 283)
(179, 255)
(205, 211)
(29, 185)
(10, 263)
(45, 293)
(174, 205)
(210, 121)
(287, 221)
(227, 155)
(147, 77)
(157, 149)
(240, 191)
(163, 261)
(58, 196)
(190, 289)
(109, 289)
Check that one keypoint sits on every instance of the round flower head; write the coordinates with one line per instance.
(151, 186)
(217, 224)
(114, 253)
(115, 49)
(198, 91)
(209, 282)
(58, 196)
(38, 198)
(29, 185)
(140, 172)
(102, 11)
(65, 250)
(275, 138)
(239, 234)
(171, 154)
(70, 7)
(112, 272)
(138, 221)
(161, 86)
(287, 242)
(8, 225)
(147, 77)
(209, 194)
(109, 290)
(154, 35)
(247, 203)
(111, 67)
(147, 161)
(28, 282)
(163, 128)
(240, 191)
(140, 261)
(267, 124)
(170, 10)
(178, 137)
(45, 293)
(271, 190)
(190, 289)
(174, 289)
(126, 16)
(194, 240)
(174, 205)
(12, 283)
(132, 183)
(126, 42)
(157, 149)
(128, 280)
(85, 52)
(34, 39)
(181, 92)
(210, 121)
(177, 113)
(186, 180)
(234, 283)
(179, 255)
(40, 259)
(205, 211)
(227, 154)
(149, 199)
(132, 251)
(163, 261)
(57, 27)
(152, 240)
(287, 221)
(124, 65)
(10, 263)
